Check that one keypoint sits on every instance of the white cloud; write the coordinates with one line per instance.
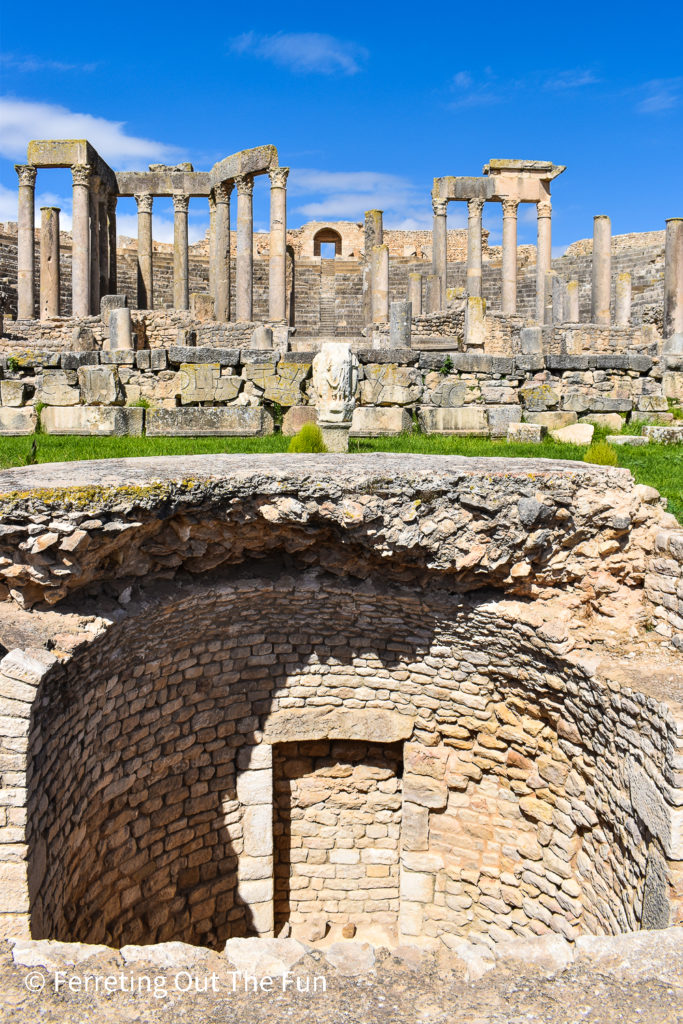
(23, 120)
(304, 52)
(660, 94)
(346, 195)
(162, 228)
(29, 63)
(571, 79)
(469, 92)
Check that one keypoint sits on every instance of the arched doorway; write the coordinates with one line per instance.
(327, 243)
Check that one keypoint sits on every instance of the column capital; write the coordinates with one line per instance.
(27, 174)
(475, 207)
(145, 201)
(544, 208)
(245, 184)
(223, 192)
(278, 177)
(80, 174)
(509, 207)
(181, 202)
(439, 206)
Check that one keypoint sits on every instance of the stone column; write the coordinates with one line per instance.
(181, 270)
(415, 292)
(440, 244)
(373, 234)
(432, 293)
(111, 226)
(277, 274)
(145, 251)
(400, 323)
(673, 278)
(49, 262)
(80, 241)
(510, 255)
(543, 255)
(104, 245)
(26, 224)
(573, 302)
(380, 284)
(212, 245)
(601, 278)
(245, 248)
(95, 245)
(623, 299)
(474, 211)
(221, 254)
(254, 786)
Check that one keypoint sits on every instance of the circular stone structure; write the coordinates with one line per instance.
(419, 694)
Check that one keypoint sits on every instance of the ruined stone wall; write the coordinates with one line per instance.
(664, 586)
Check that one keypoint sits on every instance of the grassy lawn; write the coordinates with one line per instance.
(660, 466)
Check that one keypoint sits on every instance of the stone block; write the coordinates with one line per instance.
(470, 420)
(82, 340)
(151, 359)
(301, 724)
(664, 821)
(531, 340)
(109, 302)
(425, 791)
(672, 385)
(526, 433)
(219, 421)
(576, 433)
(100, 385)
(56, 389)
(255, 890)
(255, 786)
(178, 354)
(202, 306)
(611, 420)
(631, 440)
(12, 393)
(664, 435)
(262, 337)
(500, 418)
(475, 313)
(656, 892)
(652, 403)
(120, 329)
(104, 421)
(13, 888)
(257, 823)
(417, 886)
(390, 384)
(380, 422)
(202, 382)
(117, 357)
(335, 436)
(296, 417)
(659, 418)
(72, 360)
(17, 421)
(552, 420)
(538, 397)
(414, 827)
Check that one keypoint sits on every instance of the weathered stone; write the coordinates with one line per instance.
(390, 384)
(17, 421)
(222, 421)
(578, 433)
(611, 420)
(298, 725)
(424, 791)
(656, 892)
(120, 329)
(103, 420)
(100, 385)
(552, 420)
(526, 433)
(501, 416)
(664, 435)
(632, 440)
(376, 422)
(296, 417)
(335, 378)
(56, 389)
(12, 392)
(469, 420)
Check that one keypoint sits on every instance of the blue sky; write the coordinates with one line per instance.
(366, 106)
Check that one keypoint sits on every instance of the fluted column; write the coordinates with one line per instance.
(601, 271)
(440, 244)
(277, 272)
(111, 227)
(181, 276)
(49, 262)
(95, 185)
(245, 247)
(673, 278)
(510, 255)
(543, 255)
(26, 223)
(103, 240)
(80, 241)
(145, 251)
(474, 211)
(221, 254)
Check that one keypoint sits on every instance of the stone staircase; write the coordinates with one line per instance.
(328, 314)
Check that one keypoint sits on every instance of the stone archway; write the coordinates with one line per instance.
(327, 236)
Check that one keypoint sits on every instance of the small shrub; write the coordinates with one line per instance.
(309, 439)
(446, 367)
(601, 453)
(140, 403)
(13, 364)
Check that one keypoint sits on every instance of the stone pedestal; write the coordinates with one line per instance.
(380, 284)
(400, 317)
(543, 256)
(245, 248)
(49, 262)
(145, 252)
(440, 243)
(601, 278)
(335, 436)
(510, 255)
(573, 302)
(25, 241)
(673, 278)
(120, 329)
(277, 283)
(622, 313)
(80, 233)
(415, 292)
(221, 251)
(181, 271)
(474, 212)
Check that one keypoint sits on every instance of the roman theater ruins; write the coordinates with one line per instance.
(427, 701)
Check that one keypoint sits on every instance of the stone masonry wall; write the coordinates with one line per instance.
(664, 585)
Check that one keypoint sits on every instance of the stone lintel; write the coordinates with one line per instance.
(259, 160)
(463, 188)
(163, 181)
(67, 153)
(302, 724)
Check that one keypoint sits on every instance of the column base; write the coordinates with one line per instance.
(336, 436)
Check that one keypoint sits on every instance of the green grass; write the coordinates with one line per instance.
(660, 466)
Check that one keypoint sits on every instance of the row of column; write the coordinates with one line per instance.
(93, 245)
(219, 248)
(474, 250)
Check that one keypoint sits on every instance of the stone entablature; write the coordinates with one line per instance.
(461, 610)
